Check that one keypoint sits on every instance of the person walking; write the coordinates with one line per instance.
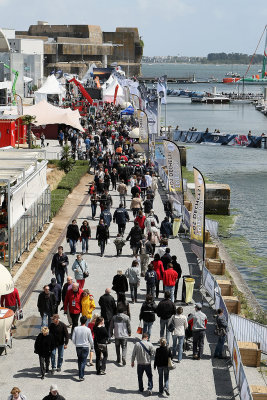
(73, 302)
(53, 394)
(81, 271)
(43, 346)
(143, 352)
(163, 353)
(94, 199)
(106, 216)
(61, 339)
(11, 301)
(166, 258)
(178, 269)
(135, 236)
(122, 189)
(16, 394)
(46, 305)
(55, 288)
(88, 304)
(153, 236)
(108, 307)
(136, 205)
(72, 236)
(222, 327)
(91, 325)
(146, 249)
(166, 228)
(102, 235)
(83, 340)
(148, 314)
(59, 265)
(66, 287)
(124, 304)
(114, 178)
(180, 324)
(170, 278)
(101, 338)
(119, 282)
(121, 327)
(151, 280)
(119, 243)
(158, 268)
(133, 275)
(140, 219)
(85, 236)
(165, 310)
(199, 320)
(121, 216)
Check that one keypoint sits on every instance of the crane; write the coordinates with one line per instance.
(16, 73)
(82, 90)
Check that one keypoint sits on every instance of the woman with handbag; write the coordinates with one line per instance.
(221, 332)
(162, 359)
(81, 271)
(180, 324)
(101, 339)
(85, 236)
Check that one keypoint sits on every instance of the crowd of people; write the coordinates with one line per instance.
(118, 171)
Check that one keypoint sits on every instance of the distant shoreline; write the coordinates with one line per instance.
(194, 63)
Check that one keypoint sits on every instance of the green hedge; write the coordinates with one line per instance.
(66, 185)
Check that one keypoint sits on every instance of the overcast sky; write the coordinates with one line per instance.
(167, 27)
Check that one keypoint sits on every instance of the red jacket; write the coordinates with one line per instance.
(141, 221)
(72, 296)
(158, 267)
(169, 277)
(11, 299)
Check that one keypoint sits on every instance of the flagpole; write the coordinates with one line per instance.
(166, 120)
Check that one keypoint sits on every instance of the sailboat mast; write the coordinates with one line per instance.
(264, 55)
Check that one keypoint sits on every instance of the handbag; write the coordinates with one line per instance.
(85, 273)
(140, 329)
(171, 364)
(220, 331)
(19, 314)
(102, 347)
(171, 325)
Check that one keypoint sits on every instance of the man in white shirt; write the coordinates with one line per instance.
(83, 340)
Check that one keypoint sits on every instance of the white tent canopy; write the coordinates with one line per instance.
(6, 281)
(108, 93)
(50, 87)
(135, 133)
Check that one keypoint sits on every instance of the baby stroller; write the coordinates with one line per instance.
(188, 334)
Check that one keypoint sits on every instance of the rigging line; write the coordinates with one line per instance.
(255, 51)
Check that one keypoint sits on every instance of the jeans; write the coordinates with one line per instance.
(133, 289)
(219, 348)
(75, 321)
(147, 328)
(72, 244)
(198, 343)
(121, 229)
(180, 346)
(82, 354)
(84, 244)
(171, 290)
(93, 206)
(46, 320)
(122, 200)
(151, 290)
(164, 324)
(114, 185)
(44, 364)
(100, 363)
(141, 368)
(60, 274)
(163, 374)
(60, 352)
(102, 246)
(121, 344)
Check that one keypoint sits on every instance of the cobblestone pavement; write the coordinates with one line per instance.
(204, 379)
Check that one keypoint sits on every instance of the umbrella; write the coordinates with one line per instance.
(134, 134)
(6, 281)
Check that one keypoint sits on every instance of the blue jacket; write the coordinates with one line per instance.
(121, 216)
(106, 216)
(151, 278)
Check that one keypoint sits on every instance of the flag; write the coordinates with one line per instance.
(162, 89)
(143, 129)
(197, 220)
(115, 94)
(135, 101)
(151, 110)
(173, 162)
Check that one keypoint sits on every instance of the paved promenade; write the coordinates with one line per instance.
(204, 379)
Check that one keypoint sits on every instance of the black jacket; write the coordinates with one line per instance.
(177, 268)
(120, 216)
(85, 231)
(44, 345)
(101, 336)
(102, 232)
(161, 356)
(120, 283)
(46, 304)
(166, 228)
(56, 290)
(73, 232)
(59, 333)
(147, 206)
(135, 235)
(148, 311)
(166, 309)
(108, 306)
(64, 291)
(166, 259)
(57, 261)
(52, 397)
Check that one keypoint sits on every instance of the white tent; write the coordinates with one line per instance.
(46, 114)
(108, 93)
(6, 281)
(135, 133)
(50, 87)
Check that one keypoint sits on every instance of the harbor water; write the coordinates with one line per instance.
(244, 169)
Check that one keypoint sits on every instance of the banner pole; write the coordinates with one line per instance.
(166, 120)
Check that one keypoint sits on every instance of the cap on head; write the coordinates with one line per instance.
(53, 388)
(198, 306)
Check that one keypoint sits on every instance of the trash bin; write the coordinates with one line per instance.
(188, 288)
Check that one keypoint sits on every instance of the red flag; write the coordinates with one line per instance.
(115, 93)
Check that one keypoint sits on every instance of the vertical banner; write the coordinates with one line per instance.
(152, 114)
(115, 94)
(143, 127)
(175, 178)
(135, 101)
(162, 89)
(197, 222)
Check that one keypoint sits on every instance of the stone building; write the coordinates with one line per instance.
(71, 48)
